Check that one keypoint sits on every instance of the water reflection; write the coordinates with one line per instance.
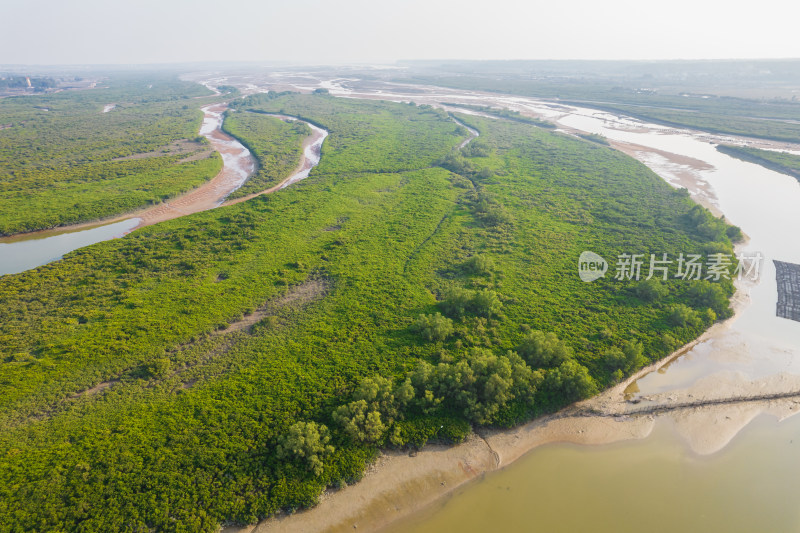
(24, 252)
(656, 485)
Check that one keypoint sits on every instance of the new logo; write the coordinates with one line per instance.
(591, 266)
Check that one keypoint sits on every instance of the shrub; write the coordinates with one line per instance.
(159, 368)
(734, 233)
(682, 315)
(419, 431)
(479, 265)
(485, 303)
(307, 441)
(651, 290)
(477, 387)
(433, 327)
(627, 360)
(359, 422)
(376, 405)
(567, 383)
(544, 350)
(707, 294)
(456, 301)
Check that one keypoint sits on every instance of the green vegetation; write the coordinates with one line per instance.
(397, 147)
(66, 161)
(508, 114)
(782, 162)
(722, 120)
(625, 361)
(544, 350)
(434, 327)
(307, 441)
(767, 119)
(389, 301)
(276, 145)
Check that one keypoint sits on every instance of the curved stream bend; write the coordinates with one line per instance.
(312, 153)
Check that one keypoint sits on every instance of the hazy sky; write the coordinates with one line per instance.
(163, 31)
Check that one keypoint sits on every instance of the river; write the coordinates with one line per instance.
(730, 466)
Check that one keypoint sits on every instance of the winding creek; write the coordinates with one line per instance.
(24, 252)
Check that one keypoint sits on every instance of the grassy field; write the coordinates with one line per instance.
(778, 161)
(63, 160)
(232, 363)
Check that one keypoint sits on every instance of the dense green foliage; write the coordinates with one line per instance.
(276, 145)
(67, 161)
(129, 379)
(405, 139)
(434, 327)
(307, 441)
(783, 162)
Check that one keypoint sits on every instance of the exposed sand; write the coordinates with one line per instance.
(392, 488)
(398, 485)
(207, 196)
(212, 193)
(682, 171)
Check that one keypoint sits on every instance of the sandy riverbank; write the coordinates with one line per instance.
(707, 415)
(237, 161)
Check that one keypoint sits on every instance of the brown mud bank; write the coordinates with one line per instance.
(238, 165)
(399, 484)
